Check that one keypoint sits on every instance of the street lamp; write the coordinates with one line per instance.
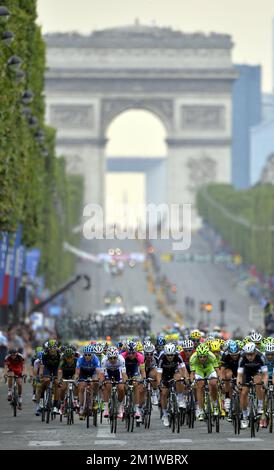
(14, 62)
(7, 37)
(39, 136)
(19, 75)
(33, 121)
(4, 15)
(27, 97)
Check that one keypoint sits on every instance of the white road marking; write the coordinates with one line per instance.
(109, 443)
(7, 432)
(169, 441)
(244, 439)
(44, 443)
(105, 433)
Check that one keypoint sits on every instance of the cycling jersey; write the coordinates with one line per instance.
(168, 368)
(87, 368)
(50, 361)
(205, 369)
(270, 367)
(150, 362)
(114, 369)
(252, 368)
(68, 367)
(229, 363)
(133, 364)
(186, 359)
(15, 364)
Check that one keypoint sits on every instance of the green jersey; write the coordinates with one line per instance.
(203, 369)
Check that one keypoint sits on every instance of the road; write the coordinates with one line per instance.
(26, 431)
(200, 281)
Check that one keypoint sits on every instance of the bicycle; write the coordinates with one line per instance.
(113, 406)
(188, 414)
(15, 396)
(129, 404)
(69, 402)
(235, 408)
(90, 409)
(147, 408)
(172, 406)
(48, 398)
(254, 420)
(210, 417)
(270, 406)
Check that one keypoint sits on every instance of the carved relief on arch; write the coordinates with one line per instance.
(163, 108)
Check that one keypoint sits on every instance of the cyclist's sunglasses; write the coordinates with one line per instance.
(202, 356)
(112, 358)
(170, 355)
(88, 355)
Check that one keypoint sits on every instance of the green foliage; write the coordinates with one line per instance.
(34, 189)
(244, 219)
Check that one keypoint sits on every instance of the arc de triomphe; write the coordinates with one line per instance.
(184, 79)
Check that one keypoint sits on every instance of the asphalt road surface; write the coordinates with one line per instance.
(26, 431)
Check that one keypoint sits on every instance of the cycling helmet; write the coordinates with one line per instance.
(249, 348)
(195, 334)
(170, 349)
(131, 346)
(119, 344)
(233, 347)
(112, 352)
(269, 348)
(215, 346)
(188, 345)
(202, 350)
(139, 346)
(149, 348)
(88, 349)
(246, 339)
(98, 348)
(160, 341)
(256, 337)
(38, 349)
(69, 352)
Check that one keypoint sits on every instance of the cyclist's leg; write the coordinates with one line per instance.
(163, 397)
(259, 392)
(106, 391)
(10, 383)
(199, 387)
(20, 391)
(180, 389)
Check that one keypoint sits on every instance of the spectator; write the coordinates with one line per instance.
(3, 351)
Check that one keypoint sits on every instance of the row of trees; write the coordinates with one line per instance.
(34, 187)
(244, 218)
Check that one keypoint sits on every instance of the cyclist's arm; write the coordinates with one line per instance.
(143, 371)
(239, 377)
(159, 375)
(77, 373)
(60, 373)
(265, 376)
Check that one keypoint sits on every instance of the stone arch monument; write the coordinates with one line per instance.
(184, 79)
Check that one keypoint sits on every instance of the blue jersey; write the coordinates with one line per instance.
(270, 367)
(88, 366)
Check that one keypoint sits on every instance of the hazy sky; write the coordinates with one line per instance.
(248, 21)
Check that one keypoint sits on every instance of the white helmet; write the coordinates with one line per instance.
(98, 348)
(112, 352)
(256, 337)
(149, 347)
(269, 348)
(187, 344)
(170, 349)
(249, 348)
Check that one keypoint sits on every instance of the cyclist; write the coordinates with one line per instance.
(257, 339)
(251, 367)
(203, 364)
(114, 368)
(99, 349)
(135, 369)
(196, 337)
(33, 372)
(269, 356)
(171, 366)
(88, 365)
(187, 351)
(215, 348)
(160, 343)
(50, 359)
(66, 371)
(229, 368)
(151, 368)
(14, 365)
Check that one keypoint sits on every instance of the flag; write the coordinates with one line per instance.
(4, 245)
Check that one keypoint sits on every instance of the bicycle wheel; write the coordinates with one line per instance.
(270, 411)
(217, 423)
(252, 420)
(14, 401)
(209, 415)
(43, 411)
(70, 410)
(48, 405)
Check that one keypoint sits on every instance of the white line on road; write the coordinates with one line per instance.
(109, 443)
(169, 441)
(244, 439)
(7, 432)
(44, 443)
(105, 433)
